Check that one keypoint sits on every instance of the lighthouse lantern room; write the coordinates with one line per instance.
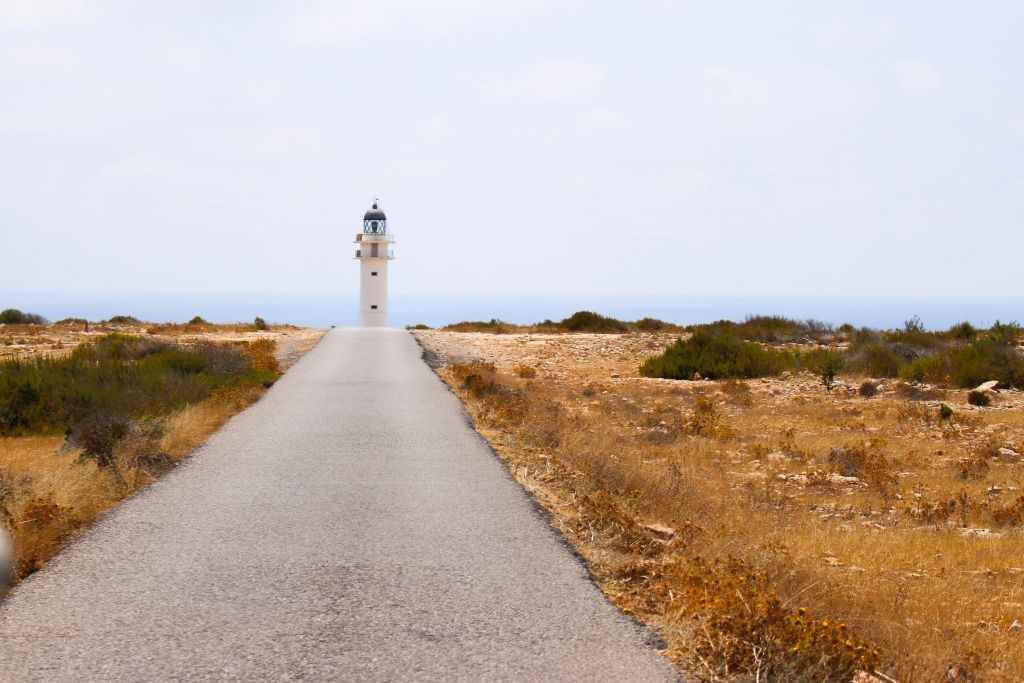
(373, 253)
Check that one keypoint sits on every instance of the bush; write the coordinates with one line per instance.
(1006, 334)
(779, 329)
(13, 316)
(198, 320)
(868, 389)
(494, 326)
(122, 375)
(525, 371)
(260, 323)
(715, 356)
(868, 464)
(945, 412)
(98, 434)
(653, 325)
(72, 321)
(875, 359)
(588, 321)
(705, 419)
(124, 320)
(979, 398)
(934, 369)
(963, 331)
(828, 370)
(986, 359)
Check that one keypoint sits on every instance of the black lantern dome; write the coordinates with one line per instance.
(374, 221)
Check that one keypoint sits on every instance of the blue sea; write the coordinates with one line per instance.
(341, 309)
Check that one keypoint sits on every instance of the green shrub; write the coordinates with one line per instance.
(987, 359)
(715, 356)
(653, 325)
(874, 359)
(934, 369)
(198, 320)
(13, 316)
(963, 331)
(124, 320)
(828, 370)
(588, 321)
(945, 412)
(72, 321)
(260, 323)
(770, 328)
(118, 375)
(913, 325)
(494, 326)
(1007, 334)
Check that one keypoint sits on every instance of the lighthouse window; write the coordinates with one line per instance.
(374, 307)
(373, 273)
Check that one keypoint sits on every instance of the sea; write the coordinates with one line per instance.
(325, 309)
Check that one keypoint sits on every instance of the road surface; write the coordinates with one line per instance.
(349, 526)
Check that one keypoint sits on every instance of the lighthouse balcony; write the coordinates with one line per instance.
(389, 254)
(374, 237)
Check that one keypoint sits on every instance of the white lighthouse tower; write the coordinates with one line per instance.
(373, 253)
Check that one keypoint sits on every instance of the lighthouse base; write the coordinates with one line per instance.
(373, 318)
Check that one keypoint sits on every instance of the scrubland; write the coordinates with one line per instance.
(89, 414)
(774, 528)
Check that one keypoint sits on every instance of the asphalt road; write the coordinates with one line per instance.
(349, 526)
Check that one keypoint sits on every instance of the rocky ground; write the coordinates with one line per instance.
(905, 523)
(616, 359)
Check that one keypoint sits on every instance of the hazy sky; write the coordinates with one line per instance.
(518, 147)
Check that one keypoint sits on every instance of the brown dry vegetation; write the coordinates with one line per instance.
(768, 529)
(49, 492)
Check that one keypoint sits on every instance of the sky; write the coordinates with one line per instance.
(676, 148)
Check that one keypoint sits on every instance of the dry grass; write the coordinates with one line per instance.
(769, 529)
(49, 493)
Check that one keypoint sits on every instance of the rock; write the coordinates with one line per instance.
(697, 377)
(1008, 452)
(979, 532)
(987, 386)
(958, 672)
(1015, 626)
(661, 530)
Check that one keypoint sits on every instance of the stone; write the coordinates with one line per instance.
(987, 386)
(660, 529)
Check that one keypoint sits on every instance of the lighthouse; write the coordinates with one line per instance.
(373, 253)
